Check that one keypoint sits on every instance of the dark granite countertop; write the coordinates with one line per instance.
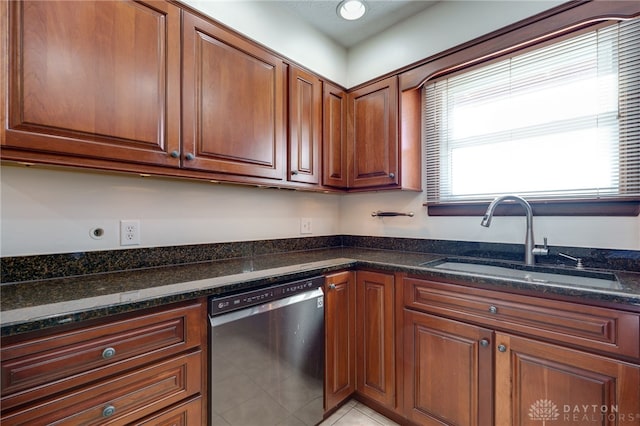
(33, 305)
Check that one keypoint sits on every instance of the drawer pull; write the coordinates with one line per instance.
(493, 309)
(108, 353)
(332, 286)
(108, 411)
(502, 348)
(484, 343)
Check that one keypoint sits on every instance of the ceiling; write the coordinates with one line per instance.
(381, 14)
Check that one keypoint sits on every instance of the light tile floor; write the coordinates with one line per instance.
(354, 413)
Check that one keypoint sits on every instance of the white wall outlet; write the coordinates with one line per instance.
(129, 232)
(305, 225)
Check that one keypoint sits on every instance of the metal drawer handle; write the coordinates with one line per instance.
(190, 156)
(493, 309)
(108, 411)
(332, 286)
(484, 343)
(108, 353)
(175, 154)
(392, 175)
(502, 348)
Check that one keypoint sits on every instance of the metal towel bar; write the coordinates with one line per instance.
(390, 214)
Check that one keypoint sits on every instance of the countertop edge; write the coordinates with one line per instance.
(19, 321)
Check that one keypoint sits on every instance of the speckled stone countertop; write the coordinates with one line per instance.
(33, 305)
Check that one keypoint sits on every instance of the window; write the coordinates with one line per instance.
(556, 123)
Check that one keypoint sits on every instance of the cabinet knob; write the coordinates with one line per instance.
(332, 286)
(294, 172)
(108, 353)
(493, 309)
(502, 348)
(392, 175)
(190, 156)
(108, 411)
(175, 154)
(484, 343)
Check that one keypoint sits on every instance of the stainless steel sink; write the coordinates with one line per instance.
(536, 274)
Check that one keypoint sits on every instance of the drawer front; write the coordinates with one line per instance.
(119, 400)
(43, 366)
(601, 329)
(185, 414)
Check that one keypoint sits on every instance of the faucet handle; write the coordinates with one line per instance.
(541, 251)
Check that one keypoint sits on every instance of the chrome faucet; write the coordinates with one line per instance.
(529, 246)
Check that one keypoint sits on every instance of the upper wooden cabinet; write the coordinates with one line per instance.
(155, 88)
(96, 80)
(373, 134)
(334, 138)
(233, 103)
(305, 126)
(384, 137)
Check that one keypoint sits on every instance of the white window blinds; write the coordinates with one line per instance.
(562, 121)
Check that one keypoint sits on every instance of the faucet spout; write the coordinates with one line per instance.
(529, 258)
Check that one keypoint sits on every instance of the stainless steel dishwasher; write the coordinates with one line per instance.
(267, 355)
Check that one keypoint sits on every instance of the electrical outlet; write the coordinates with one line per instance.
(129, 232)
(305, 225)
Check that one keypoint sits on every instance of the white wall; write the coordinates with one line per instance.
(597, 232)
(444, 25)
(52, 211)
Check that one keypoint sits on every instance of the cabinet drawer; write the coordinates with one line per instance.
(61, 361)
(123, 399)
(185, 414)
(601, 329)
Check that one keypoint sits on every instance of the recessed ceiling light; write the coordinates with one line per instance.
(351, 9)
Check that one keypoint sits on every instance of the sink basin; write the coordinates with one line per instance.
(534, 274)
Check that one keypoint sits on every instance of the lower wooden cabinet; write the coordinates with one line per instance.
(464, 364)
(340, 342)
(184, 414)
(536, 381)
(360, 333)
(375, 334)
(449, 371)
(116, 370)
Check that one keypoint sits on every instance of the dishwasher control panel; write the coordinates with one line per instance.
(220, 305)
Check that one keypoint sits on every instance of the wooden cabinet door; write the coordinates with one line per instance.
(375, 360)
(232, 103)
(447, 371)
(539, 382)
(340, 317)
(305, 126)
(95, 79)
(334, 142)
(373, 135)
